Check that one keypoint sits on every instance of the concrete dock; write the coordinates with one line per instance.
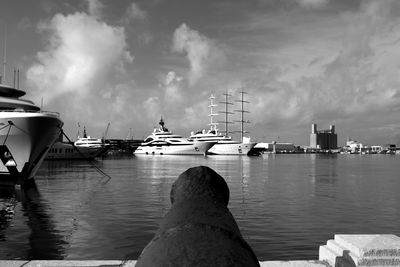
(131, 263)
(342, 251)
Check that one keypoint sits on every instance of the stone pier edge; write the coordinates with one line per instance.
(131, 263)
(345, 250)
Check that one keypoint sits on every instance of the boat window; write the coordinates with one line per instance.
(148, 140)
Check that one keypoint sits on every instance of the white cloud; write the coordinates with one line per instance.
(80, 54)
(76, 72)
(172, 86)
(95, 8)
(355, 85)
(134, 12)
(200, 51)
(313, 3)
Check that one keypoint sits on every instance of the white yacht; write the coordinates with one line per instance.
(26, 135)
(225, 145)
(90, 142)
(84, 147)
(164, 142)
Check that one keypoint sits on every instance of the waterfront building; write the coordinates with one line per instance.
(275, 147)
(323, 139)
(377, 149)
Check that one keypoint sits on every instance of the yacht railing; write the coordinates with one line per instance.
(53, 113)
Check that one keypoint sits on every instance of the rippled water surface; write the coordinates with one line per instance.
(286, 206)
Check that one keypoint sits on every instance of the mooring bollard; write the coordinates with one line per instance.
(199, 229)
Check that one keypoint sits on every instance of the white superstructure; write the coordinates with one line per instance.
(90, 142)
(26, 134)
(164, 142)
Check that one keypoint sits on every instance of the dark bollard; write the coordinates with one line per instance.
(198, 230)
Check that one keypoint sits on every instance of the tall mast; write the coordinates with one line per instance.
(226, 112)
(242, 111)
(213, 125)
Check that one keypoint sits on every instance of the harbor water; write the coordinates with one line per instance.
(286, 205)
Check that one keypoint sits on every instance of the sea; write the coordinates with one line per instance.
(286, 205)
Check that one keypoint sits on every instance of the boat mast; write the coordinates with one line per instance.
(242, 111)
(226, 112)
(213, 125)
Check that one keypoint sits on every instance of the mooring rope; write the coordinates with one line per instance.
(90, 194)
(84, 157)
(8, 131)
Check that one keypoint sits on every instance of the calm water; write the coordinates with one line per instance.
(285, 205)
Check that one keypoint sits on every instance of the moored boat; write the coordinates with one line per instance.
(164, 142)
(85, 147)
(26, 135)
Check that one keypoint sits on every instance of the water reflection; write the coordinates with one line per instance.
(8, 202)
(324, 174)
(44, 241)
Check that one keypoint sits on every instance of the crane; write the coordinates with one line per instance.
(106, 131)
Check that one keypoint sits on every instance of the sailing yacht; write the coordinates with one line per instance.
(225, 144)
(26, 134)
(164, 142)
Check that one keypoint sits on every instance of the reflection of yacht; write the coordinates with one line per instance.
(26, 134)
(162, 141)
(225, 145)
(84, 147)
(42, 239)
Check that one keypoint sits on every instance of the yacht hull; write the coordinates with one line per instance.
(25, 138)
(231, 148)
(62, 150)
(196, 148)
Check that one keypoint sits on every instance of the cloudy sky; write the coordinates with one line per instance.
(130, 62)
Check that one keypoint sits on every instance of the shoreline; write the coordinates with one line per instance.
(343, 250)
(132, 263)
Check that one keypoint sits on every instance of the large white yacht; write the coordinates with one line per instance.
(225, 144)
(164, 142)
(26, 134)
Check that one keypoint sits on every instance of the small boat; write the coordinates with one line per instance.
(26, 135)
(164, 142)
(84, 147)
(225, 144)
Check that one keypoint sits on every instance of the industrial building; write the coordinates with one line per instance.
(323, 139)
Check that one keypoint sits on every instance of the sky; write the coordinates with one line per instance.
(127, 63)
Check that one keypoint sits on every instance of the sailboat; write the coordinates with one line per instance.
(225, 144)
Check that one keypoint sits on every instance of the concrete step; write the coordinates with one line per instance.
(362, 250)
(327, 255)
(336, 247)
(370, 245)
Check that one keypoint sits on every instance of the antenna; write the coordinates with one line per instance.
(226, 112)
(242, 111)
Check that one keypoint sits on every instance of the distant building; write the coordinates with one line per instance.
(354, 146)
(275, 147)
(323, 139)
